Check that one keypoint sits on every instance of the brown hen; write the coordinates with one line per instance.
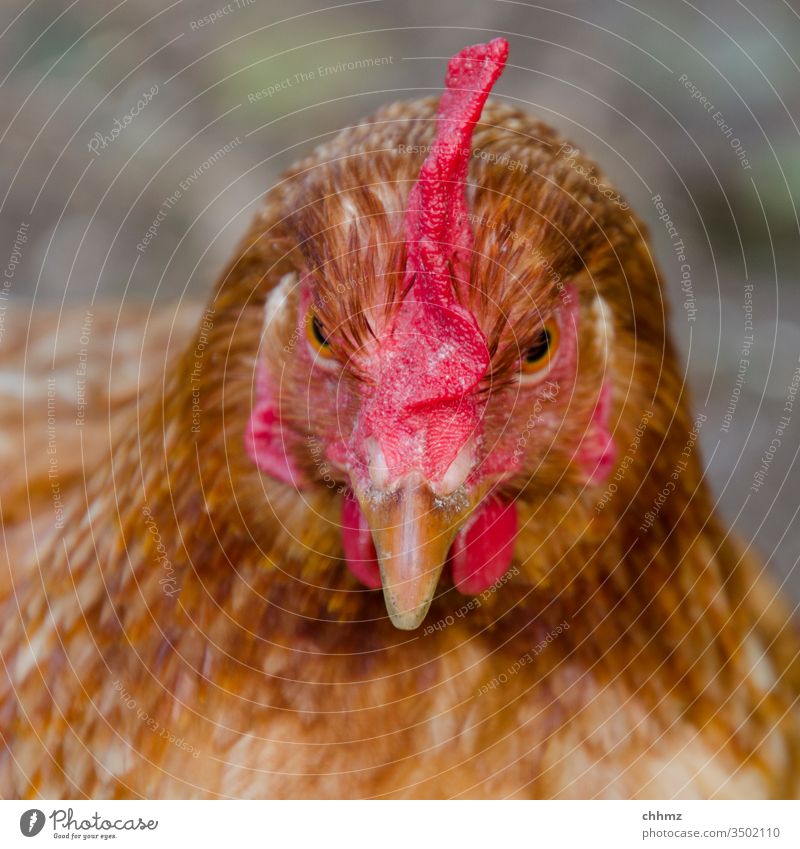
(184, 614)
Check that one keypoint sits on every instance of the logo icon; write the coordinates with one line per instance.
(31, 822)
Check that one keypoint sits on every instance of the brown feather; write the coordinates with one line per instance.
(192, 630)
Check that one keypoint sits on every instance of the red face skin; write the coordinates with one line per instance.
(426, 437)
(423, 415)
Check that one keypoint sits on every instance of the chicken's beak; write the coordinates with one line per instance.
(413, 530)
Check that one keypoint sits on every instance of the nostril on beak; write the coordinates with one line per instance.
(458, 471)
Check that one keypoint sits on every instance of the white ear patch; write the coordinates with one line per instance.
(278, 297)
(604, 326)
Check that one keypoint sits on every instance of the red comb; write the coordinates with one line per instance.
(437, 227)
(436, 353)
(450, 354)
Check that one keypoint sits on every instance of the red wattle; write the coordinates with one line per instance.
(358, 546)
(481, 553)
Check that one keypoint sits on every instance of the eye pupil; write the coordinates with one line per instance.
(317, 338)
(540, 348)
(538, 357)
(319, 333)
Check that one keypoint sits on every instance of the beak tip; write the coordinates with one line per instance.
(408, 599)
(407, 620)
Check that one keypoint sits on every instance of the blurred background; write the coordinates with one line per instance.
(137, 139)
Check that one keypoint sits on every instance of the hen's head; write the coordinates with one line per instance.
(436, 348)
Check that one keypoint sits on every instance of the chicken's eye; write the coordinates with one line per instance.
(315, 333)
(540, 354)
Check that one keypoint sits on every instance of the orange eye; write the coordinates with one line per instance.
(315, 334)
(540, 354)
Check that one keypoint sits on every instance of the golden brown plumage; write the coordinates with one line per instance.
(243, 659)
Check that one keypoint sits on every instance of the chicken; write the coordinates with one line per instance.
(417, 513)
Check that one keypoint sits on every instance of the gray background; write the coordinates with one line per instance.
(605, 73)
